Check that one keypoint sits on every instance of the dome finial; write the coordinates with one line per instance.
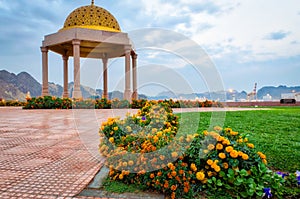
(92, 2)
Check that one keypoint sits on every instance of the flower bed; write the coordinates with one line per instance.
(51, 102)
(11, 103)
(147, 148)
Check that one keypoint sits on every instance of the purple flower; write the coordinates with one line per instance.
(298, 177)
(281, 174)
(143, 118)
(267, 192)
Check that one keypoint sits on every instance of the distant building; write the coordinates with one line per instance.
(267, 97)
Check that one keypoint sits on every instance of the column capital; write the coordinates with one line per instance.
(76, 42)
(134, 56)
(127, 49)
(44, 49)
(65, 57)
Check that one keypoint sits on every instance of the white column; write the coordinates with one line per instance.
(134, 77)
(76, 54)
(45, 86)
(66, 92)
(105, 90)
(127, 93)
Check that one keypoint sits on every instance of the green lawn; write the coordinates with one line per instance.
(275, 132)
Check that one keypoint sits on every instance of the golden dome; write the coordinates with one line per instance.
(92, 17)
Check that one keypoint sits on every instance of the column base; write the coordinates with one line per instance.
(105, 96)
(65, 95)
(45, 92)
(127, 95)
(77, 94)
(135, 95)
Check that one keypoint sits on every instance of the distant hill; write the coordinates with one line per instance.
(14, 86)
(276, 92)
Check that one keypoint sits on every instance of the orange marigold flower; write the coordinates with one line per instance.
(116, 128)
(170, 165)
(193, 167)
(225, 165)
(200, 175)
(173, 195)
(124, 164)
(159, 173)
(229, 149)
(245, 156)
(234, 133)
(211, 147)
(174, 154)
(173, 187)
(152, 175)
(185, 189)
(222, 155)
(234, 154)
(173, 173)
(240, 153)
(209, 162)
(219, 146)
(130, 162)
(264, 161)
(226, 142)
(250, 145)
(121, 176)
(181, 172)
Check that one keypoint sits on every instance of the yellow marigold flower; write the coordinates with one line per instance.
(219, 146)
(159, 133)
(116, 128)
(200, 175)
(154, 130)
(240, 140)
(234, 154)
(217, 169)
(111, 139)
(174, 154)
(124, 164)
(228, 130)
(234, 133)
(222, 155)
(205, 132)
(225, 165)
(193, 167)
(250, 145)
(229, 149)
(246, 140)
(205, 151)
(121, 176)
(221, 139)
(209, 173)
(245, 156)
(240, 153)
(155, 139)
(211, 147)
(128, 129)
(102, 127)
(209, 162)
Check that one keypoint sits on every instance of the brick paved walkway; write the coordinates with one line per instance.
(48, 153)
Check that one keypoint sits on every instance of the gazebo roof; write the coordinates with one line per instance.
(92, 17)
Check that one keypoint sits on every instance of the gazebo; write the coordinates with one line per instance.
(90, 32)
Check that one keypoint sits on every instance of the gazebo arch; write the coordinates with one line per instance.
(90, 32)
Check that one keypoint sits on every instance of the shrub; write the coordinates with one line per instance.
(146, 148)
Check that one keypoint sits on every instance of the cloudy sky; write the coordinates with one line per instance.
(246, 41)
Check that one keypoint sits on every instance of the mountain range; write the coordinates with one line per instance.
(14, 86)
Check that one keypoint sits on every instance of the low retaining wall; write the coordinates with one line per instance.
(238, 104)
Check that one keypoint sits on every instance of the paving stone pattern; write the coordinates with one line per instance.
(42, 154)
